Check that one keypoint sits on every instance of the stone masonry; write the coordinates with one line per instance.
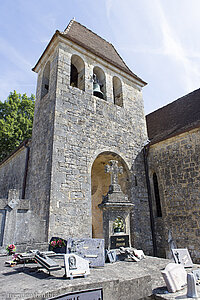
(176, 162)
(72, 128)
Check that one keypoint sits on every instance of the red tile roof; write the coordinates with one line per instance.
(177, 117)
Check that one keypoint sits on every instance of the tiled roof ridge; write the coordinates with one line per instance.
(180, 98)
(68, 26)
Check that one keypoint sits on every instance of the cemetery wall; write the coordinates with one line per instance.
(12, 172)
(176, 163)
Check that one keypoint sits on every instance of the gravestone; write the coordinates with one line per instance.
(9, 213)
(75, 266)
(175, 277)
(182, 256)
(46, 262)
(172, 245)
(191, 286)
(90, 249)
(116, 211)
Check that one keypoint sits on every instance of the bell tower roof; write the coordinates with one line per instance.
(92, 42)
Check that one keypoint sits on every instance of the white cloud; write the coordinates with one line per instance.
(173, 48)
(108, 4)
(12, 55)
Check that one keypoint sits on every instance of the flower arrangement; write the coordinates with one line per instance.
(57, 243)
(11, 249)
(118, 225)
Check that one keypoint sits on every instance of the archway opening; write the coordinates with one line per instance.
(99, 83)
(117, 91)
(77, 74)
(45, 80)
(100, 182)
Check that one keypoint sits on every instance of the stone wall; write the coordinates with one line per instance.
(12, 173)
(84, 127)
(39, 175)
(176, 163)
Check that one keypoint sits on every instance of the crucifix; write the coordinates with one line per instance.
(114, 170)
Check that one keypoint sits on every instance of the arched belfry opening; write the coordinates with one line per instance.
(77, 72)
(99, 83)
(117, 91)
(45, 80)
(100, 182)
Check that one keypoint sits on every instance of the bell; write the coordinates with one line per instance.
(96, 90)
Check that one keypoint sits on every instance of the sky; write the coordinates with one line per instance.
(157, 39)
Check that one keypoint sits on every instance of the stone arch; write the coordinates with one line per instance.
(45, 80)
(101, 80)
(77, 72)
(117, 91)
(100, 182)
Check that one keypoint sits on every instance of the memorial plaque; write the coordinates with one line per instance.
(75, 266)
(89, 249)
(117, 241)
(83, 295)
(182, 256)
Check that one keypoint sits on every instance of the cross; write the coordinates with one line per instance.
(114, 170)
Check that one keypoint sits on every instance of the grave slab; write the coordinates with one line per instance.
(90, 249)
(175, 277)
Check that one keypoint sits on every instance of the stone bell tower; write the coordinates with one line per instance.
(89, 110)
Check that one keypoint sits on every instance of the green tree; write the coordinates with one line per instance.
(16, 120)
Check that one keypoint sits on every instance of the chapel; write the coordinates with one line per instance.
(89, 116)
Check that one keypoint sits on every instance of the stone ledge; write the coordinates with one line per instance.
(120, 280)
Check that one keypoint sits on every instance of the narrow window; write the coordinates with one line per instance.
(117, 91)
(99, 83)
(45, 80)
(157, 196)
(77, 73)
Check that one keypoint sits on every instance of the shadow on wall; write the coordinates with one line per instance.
(100, 182)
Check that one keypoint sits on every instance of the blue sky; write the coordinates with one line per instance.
(158, 40)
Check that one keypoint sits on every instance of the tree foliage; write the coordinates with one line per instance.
(16, 119)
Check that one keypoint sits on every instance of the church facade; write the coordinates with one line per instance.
(89, 111)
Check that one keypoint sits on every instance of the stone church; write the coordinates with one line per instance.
(89, 111)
